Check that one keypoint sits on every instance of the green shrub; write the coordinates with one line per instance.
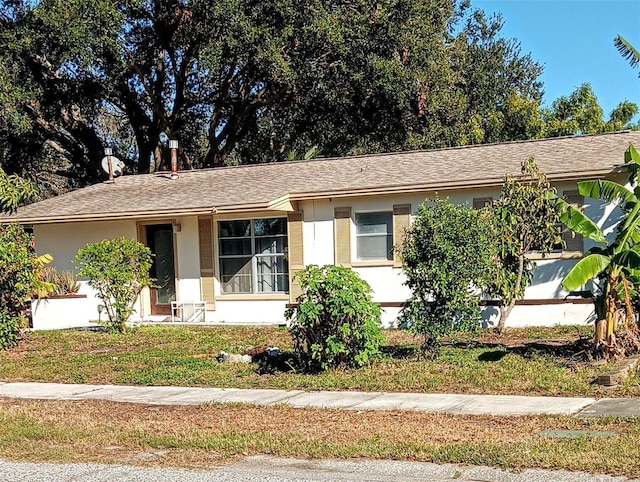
(10, 327)
(18, 279)
(118, 269)
(447, 252)
(335, 322)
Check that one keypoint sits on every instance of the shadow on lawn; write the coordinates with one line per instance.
(571, 350)
(401, 352)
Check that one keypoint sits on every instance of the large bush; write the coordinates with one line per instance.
(447, 253)
(118, 269)
(335, 321)
(18, 279)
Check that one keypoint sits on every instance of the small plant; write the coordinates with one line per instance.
(63, 282)
(335, 322)
(118, 269)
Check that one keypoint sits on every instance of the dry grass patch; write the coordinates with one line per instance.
(210, 435)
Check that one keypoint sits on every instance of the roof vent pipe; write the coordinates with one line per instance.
(173, 145)
(108, 152)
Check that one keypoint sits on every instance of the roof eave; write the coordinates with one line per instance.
(131, 215)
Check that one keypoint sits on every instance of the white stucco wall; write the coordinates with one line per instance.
(61, 313)
(188, 260)
(387, 282)
(248, 312)
(64, 240)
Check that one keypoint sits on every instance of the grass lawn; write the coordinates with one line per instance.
(532, 361)
(526, 361)
(211, 435)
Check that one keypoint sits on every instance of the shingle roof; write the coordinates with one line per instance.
(262, 186)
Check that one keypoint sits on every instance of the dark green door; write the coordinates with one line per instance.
(160, 242)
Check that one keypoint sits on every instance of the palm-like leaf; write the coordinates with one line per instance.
(579, 223)
(629, 259)
(607, 191)
(627, 51)
(632, 155)
(584, 270)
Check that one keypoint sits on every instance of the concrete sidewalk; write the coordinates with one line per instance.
(424, 402)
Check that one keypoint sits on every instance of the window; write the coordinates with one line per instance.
(374, 236)
(572, 243)
(252, 256)
(480, 202)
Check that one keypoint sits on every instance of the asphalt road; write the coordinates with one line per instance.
(287, 470)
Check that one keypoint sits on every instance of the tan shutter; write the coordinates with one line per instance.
(573, 241)
(205, 241)
(295, 253)
(342, 236)
(401, 220)
(480, 202)
(145, 296)
(142, 233)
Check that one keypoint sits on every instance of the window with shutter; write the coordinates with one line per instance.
(573, 242)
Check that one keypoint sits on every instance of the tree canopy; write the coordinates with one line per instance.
(251, 81)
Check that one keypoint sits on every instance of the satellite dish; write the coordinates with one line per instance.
(116, 164)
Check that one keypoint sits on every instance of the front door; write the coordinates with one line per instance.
(160, 242)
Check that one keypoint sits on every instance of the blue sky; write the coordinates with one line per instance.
(573, 39)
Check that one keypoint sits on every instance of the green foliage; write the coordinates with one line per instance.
(628, 51)
(14, 190)
(335, 322)
(118, 269)
(580, 113)
(18, 277)
(613, 268)
(241, 82)
(62, 283)
(526, 219)
(446, 253)
(248, 82)
(10, 327)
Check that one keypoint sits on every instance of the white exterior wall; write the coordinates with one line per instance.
(187, 260)
(248, 312)
(64, 240)
(61, 313)
(387, 282)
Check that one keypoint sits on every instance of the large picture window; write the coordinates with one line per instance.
(252, 255)
(374, 236)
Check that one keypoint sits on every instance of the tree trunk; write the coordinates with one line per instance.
(605, 343)
(600, 332)
(505, 311)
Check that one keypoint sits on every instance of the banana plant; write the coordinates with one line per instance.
(627, 51)
(613, 267)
